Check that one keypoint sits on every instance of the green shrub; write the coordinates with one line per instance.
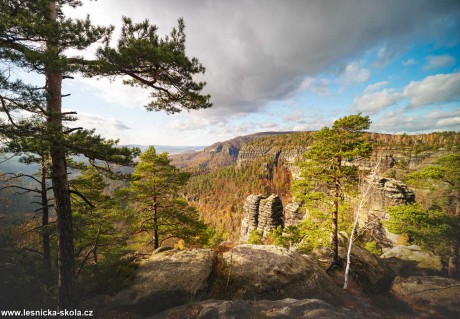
(255, 238)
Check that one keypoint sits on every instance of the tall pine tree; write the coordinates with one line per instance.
(36, 36)
(155, 202)
(325, 180)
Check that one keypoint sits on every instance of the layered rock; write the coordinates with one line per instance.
(411, 260)
(270, 214)
(386, 192)
(292, 214)
(169, 279)
(430, 296)
(273, 272)
(262, 214)
(286, 308)
(250, 218)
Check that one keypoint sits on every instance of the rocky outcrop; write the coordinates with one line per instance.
(286, 309)
(411, 260)
(390, 192)
(292, 214)
(169, 279)
(273, 272)
(431, 296)
(260, 213)
(367, 269)
(250, 218)
(270, 214)
(385, 193)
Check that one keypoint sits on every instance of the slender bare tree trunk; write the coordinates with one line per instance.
(366, 190)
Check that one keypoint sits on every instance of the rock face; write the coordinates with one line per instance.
(411, 260)
(435, 297)
(169, 279)
(286, 309)
(250, 216)
(262, 214)
(386, 192)
(272, 272)
(270, 214)
(292, 215)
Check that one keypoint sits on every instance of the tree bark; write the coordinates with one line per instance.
(59, 178)
(45, 216)
(335, 216)
(156, 242)
(452, 268)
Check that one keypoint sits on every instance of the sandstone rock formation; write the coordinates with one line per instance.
(169, 279)
(250, 218)
(368, 270)
(270, 214)
(385, 193)
(286, 309)
(273, 272)
(431, 296)
(411, 260)
(292, 214)
(262, 214)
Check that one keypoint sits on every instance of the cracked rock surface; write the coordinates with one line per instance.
(438, 297)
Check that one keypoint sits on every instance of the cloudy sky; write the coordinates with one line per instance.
(289, 65)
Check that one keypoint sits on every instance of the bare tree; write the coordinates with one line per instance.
(366, 189)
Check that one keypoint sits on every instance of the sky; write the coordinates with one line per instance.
(276, 65)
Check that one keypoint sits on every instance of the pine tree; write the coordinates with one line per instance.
(96, 216)
(325, 179)
(36, 36)
(439, 220)
(154, 199)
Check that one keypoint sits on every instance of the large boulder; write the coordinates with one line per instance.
(169, 279)
(272, 272)
(285, 309)
(367, 269)
(434, 297)
(411, 260)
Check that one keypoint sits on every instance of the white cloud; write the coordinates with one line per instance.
(114, 92)
(439, 61)
(409, 62)
(439, 88)
(373, 102)
(398, 122)
(106, 126)
(317, 86)
(387, 53)
(353, 72)
(375, 86)
(296, 116)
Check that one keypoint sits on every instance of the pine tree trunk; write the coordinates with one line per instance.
(452, 268)
(45, 216)
(59, 179)
(156, 243)
(335, 217)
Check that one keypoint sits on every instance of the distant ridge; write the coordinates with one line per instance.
(171, 149)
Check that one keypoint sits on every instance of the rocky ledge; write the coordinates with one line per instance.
(285, 309)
